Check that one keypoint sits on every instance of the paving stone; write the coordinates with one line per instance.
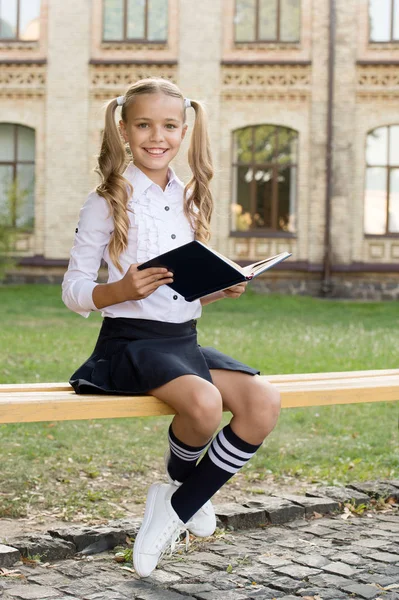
(285, 584)
(208, 558)
(373, 543)
(278, 510)
(194, 588)
(328, 580)
(273, 561)
(312, 560)
(339, 568)
(319, 530)
(312, 505)
(237, 516)
(50, 579)
(342, 495)
(385, 557)
(45, 546)
(376, 489)
(83, 586)
(33, 592)
(362, 590)
(296, 571)
(349, 558)
(141, 590)
(185, 570)
(330, 594)
(163, 577)
(107, 595)
(91, 540)
(8, 555)
(219, 595)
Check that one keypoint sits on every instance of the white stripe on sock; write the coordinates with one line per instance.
(222, 454)
(184, 454)
(221, 464)
(233, 449)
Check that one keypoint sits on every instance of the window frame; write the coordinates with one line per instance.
(125, 39)
(14, 164)
(275, 167)
(392, 40)
(388, 167)
(17, 36)
(257, 40)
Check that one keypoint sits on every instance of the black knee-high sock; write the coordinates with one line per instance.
(226, 455)
(183, 458)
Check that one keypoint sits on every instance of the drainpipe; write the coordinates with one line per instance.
(326, 285)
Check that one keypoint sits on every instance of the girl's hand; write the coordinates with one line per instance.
(235, 291)
(137, 285)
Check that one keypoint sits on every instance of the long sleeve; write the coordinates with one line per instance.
(91, 239)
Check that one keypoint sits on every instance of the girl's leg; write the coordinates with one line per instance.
(255, 406)
(198, 405)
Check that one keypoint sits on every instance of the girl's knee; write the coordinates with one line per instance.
(263, 407)
(205, 408)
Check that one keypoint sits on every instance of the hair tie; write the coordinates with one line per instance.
(120, 100)
(187, 102)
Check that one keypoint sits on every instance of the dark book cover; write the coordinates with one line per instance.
(199, 271)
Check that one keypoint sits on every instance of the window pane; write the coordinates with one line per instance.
(6, 175)
(268, 19)
(136, 19)
(396, 21)
(286, 199)
(243, 145)
(245, 19)
(289, 21)
(380, 20)
(394, 145)
(25, 143)
(113, 20)
(7, 142)
(29, 19)
(242, 219)
(158, 20)
(287, 146)
(375, 204)
(377, 147)
(393, 223)
(8, 19)
(263, 214)
(24, 196)
(265, 142)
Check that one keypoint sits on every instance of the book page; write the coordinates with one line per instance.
(230, 262)
(263, 265)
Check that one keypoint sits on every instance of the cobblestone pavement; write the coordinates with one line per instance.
(328, 558)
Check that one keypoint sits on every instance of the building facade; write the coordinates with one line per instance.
(303, 105)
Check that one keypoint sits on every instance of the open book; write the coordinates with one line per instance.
(199, 270)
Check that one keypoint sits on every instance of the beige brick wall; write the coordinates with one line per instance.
(64, 101)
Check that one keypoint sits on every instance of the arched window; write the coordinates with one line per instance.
(17, 175)
(265, 178)
(381, 200)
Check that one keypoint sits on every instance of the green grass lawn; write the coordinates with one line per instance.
(97, 469)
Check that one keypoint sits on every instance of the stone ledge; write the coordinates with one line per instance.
(62, 543)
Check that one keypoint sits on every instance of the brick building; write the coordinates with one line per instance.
(303, 104)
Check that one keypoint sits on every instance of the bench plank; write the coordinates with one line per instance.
(56, 402)
(53, 387)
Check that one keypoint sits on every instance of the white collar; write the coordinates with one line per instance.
(141, 182)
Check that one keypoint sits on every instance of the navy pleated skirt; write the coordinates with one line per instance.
(133, 356)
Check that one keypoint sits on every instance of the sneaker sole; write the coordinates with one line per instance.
(149, 511)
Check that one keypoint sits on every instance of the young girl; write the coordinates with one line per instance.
(148, 339)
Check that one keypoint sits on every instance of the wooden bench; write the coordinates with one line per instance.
(30, 402)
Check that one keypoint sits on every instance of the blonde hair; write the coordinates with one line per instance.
(113, 159)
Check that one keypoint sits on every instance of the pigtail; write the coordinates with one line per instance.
(197, 192)
(116, 190)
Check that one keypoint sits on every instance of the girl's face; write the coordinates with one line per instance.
(154, 130)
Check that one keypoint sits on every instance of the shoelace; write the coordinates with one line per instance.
(175, 539)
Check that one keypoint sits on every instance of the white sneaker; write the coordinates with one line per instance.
(161, 526)
(203, 523)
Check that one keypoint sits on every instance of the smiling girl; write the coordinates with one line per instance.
(148, 339)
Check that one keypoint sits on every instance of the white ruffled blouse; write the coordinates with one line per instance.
(157, 224)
